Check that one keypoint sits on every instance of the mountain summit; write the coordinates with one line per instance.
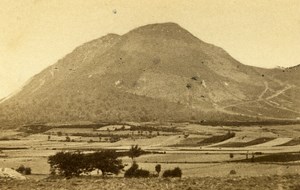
(156, 72)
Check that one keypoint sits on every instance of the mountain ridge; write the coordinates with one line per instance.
(154, 72)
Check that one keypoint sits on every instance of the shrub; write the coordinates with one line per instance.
(133, 171)
(68, 139)
(141, 173)
(59, 133)
(167, 173)
(189, 86)
(158, 169)
(27, 171)
(21, 169)
(24, 170)
(176, 172)
(194, 78)
(232, 172)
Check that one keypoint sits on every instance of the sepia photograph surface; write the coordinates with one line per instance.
(140, 94)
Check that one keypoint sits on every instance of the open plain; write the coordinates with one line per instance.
(204, 153)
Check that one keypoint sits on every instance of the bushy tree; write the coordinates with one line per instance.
(68, 164)
(135, 151)
(176, 172)
(71, 164)
(106, 161)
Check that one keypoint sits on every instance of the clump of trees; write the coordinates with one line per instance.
(176, 172)
(134, 171)
(24, 170)
(69, 164)
(74, 164)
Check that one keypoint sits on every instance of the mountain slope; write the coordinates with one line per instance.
(154, 72)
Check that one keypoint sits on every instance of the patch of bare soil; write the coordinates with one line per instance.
(229, 182)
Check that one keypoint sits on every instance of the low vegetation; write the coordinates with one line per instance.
(176, 172)
(293, 142)
(8, 139)
(217, 139)
(280, 157)
(35, 129)
(134, 171)
(237, 122)
(24, 170)
(250, 143)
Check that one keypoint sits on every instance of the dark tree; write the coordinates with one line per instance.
(68, 164)
(135, 151)
(106, 161)
(158, 169)
(71, 164)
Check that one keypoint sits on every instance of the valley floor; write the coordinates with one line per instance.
(206, 154)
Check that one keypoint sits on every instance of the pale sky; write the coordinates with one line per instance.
(36, 33)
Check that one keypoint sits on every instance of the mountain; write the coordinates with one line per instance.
(157, 72)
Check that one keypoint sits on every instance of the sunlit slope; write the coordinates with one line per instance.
(154, 72)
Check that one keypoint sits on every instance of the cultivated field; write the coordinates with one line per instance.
(256, 154)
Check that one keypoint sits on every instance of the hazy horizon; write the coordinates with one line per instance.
(36, 33)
